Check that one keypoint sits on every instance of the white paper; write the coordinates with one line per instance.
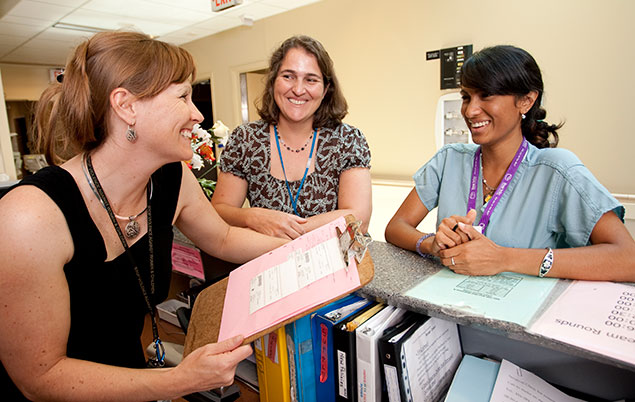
(515, 384)
(598, 316)
(300, 270)
(433, 354)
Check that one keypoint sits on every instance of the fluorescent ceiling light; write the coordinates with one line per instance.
(74, 27)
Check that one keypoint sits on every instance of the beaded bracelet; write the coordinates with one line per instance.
(421, 239)
(546, 263)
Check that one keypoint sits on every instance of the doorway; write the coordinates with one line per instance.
(252, 84)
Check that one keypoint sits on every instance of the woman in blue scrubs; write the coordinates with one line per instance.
(512, 201)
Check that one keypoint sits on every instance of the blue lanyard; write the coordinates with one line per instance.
(294, 200)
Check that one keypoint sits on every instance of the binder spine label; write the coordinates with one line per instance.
(305, 346)
(341, 372)
(362, 385)
(324, 356)
(392, 383)
(272, 347)
(292, 369)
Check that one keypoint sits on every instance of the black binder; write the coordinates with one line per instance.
(345, 358)
(389, 345)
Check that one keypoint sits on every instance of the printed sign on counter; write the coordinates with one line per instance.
(599, 316)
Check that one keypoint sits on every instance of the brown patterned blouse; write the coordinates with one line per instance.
(248, 155)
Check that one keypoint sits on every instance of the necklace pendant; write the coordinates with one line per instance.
(132, 229)
(488, 197)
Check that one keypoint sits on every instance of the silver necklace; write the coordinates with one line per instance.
(490, 189)
(132, 228)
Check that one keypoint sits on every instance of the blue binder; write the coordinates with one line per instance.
(322, 322)
(301, 365)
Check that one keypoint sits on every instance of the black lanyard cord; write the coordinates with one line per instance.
(160, 355)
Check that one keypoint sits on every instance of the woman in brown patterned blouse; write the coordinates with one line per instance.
(300, 166)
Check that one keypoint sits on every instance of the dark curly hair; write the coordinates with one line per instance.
(333, 107)
(509, 70)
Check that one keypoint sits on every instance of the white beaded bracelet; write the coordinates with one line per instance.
(546, 263)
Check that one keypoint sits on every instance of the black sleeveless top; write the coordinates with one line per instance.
(107, 306)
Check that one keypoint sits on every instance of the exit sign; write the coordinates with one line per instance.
(219, 5)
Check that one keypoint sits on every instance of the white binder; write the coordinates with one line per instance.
(368, 370)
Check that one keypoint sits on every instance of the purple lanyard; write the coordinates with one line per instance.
(509, 175)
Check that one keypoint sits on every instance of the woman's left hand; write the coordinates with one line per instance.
(479, 256)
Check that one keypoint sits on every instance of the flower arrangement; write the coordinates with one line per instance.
(203, 150)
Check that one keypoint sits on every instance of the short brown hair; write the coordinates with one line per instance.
(72, 116)
(333, 107)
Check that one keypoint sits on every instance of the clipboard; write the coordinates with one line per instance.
(205, 322)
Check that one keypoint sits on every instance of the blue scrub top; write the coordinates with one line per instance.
(553, 200)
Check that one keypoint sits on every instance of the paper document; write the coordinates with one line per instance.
(302, 274)
(430, 358)
(506, 296)
(301, 269)
(515, 384)
(598, 316)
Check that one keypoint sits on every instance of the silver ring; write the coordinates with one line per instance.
(452, 259)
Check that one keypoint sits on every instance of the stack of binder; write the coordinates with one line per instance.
(357, 350)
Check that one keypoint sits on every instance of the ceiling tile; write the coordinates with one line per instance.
(147, 10)
(64, 35)
(286, 4)
(50, 56)
(27, 31)
(39, 10)
(214, 25)
(115, 21)
(67, 3)
(10, 40)
(255, 10)
(44, 44)
(5, 49)
(41, 24)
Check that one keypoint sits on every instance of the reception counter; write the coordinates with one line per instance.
(570, 367)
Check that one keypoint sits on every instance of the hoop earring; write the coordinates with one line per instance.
(131, 134)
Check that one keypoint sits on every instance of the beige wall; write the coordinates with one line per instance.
(23, 82)
(584, 48)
